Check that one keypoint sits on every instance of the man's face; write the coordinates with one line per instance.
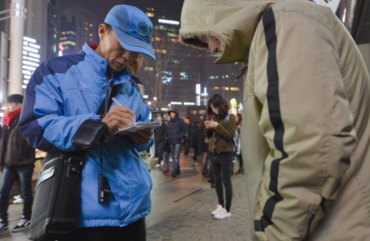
(109, 48)
(214, 45)
(159, 118)
(11, 106)
(173, 115)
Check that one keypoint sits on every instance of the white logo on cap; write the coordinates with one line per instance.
(142, 29)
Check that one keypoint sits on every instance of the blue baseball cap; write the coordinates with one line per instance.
(133, 29)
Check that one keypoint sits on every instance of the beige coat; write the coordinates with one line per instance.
(306, 130)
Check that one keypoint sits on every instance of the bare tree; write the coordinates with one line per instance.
(158, 76)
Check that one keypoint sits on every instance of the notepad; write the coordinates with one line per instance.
(138, 126)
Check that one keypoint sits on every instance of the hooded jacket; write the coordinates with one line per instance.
(176, 129)
(306, 129)
(62, 93)
(14, 149)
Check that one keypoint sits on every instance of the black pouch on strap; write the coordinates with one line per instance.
(89, 134)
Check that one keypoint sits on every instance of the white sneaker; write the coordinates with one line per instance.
(17, 197)
(217, 210)
(18, 201)
(162, 163)
(223, 214)
(157, 165)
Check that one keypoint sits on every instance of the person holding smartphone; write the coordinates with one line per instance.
(221, 130)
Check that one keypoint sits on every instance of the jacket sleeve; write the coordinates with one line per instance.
(228, 132)
(43, 122)
(305, 119)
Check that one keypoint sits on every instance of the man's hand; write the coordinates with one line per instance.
(141, 136)
(118, 117)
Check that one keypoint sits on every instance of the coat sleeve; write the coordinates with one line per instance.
(305, 119)
(43, 122)
(228, 132)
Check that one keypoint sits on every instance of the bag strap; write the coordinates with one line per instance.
(79, 153)
(113, 93)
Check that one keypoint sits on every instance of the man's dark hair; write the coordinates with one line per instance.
(108, 27)
(18, 99)
(218, 102)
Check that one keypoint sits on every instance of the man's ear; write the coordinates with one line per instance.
(102, 31)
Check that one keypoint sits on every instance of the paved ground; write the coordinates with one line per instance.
(181, 209)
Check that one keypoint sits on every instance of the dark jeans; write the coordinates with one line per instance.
(175, 153)
(194, 145)
(8, 177)
(133, 232)
(159, 148)
(222, 175)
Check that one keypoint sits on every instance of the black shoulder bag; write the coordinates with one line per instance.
(56, 203)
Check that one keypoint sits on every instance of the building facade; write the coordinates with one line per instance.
(52, 29)
(77, 26)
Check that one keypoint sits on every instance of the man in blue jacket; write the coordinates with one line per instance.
(66, 91)
(175, 132)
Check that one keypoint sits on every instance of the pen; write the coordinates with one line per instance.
(115, 101)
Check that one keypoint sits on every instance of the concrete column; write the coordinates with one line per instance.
(16, 46)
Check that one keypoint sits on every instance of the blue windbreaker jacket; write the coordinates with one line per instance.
(64, 92)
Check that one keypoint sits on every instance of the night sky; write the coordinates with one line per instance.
(100, 7)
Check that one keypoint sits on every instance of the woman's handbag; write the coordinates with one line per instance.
(57, 199)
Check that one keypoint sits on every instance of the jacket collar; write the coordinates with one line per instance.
(100, 65)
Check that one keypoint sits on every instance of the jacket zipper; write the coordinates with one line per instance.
(108, 85)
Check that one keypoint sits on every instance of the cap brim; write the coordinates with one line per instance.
(133, 44)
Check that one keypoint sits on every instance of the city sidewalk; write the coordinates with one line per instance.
(181, 208)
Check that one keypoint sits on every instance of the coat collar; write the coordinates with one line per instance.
(100, 65)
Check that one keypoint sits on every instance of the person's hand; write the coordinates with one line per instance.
(118, 117)
(211, 124)
(141, 136)
(1, 169)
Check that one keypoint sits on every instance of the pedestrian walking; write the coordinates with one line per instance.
(17, 159)
(238, 143)
(175, 132)
(159, 137)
